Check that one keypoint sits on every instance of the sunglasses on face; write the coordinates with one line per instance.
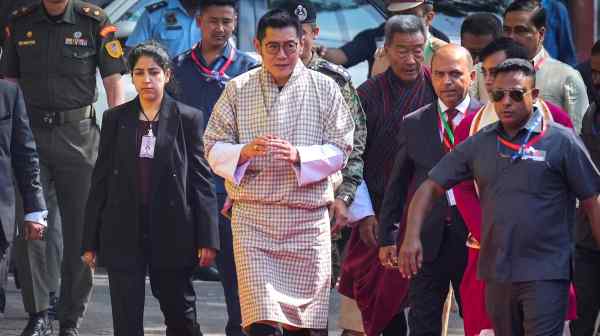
(514, 94)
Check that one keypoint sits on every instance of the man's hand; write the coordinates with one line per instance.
(411, 257)
(381, 62)
(367, 228)
(388, 256)
(34, 231)
(89, 258)
(283, 150)
(206, 256)
(339, 211)
(226, 211)
(258, 147)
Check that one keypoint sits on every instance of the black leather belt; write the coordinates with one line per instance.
(57, 118)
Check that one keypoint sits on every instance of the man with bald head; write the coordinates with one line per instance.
(426, 135)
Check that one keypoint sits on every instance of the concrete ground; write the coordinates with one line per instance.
(98, 321)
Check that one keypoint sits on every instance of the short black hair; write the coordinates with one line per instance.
(481, 24)
(511, 48)
(538, 16)
(596, 48)
(207, 3)
(277, 18)
(407, 24)
(516, 65)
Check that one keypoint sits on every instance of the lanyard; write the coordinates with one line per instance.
(447, 129)
(150, 133)
(214, 72)
(520, 149)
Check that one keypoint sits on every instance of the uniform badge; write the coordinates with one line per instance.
(301, 13)
(97, 12)
(114, 49)
(76, 40)
(29, 34)
(171, 19)
(86, 9)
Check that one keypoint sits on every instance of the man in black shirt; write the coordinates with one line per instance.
(528, 172)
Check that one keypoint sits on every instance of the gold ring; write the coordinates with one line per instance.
(255, 147)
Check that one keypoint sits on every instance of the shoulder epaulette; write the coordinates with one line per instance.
(335, 69)
(23, 11)
(156, 6)
(90, 10)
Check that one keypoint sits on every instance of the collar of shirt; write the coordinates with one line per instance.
(461, 108)
(68, 15)
(224, 53)
(531, 125)
(540, 58)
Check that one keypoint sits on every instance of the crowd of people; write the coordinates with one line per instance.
(455, 171)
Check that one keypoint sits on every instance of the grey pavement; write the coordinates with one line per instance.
(212, 314)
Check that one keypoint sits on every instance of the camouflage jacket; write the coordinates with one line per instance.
(353, 172)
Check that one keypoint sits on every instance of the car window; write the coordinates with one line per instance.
(340, 21)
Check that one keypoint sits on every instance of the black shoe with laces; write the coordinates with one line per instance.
(38, 325)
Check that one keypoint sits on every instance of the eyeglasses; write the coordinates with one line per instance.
(289, 48)
(514, 94)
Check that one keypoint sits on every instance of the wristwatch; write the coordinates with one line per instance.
(346, 199)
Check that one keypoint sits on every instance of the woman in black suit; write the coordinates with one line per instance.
(152, 206)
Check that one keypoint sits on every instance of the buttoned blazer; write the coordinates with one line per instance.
(182, 214)
(18, 154)
(420, 150)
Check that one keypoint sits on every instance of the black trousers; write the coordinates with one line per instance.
(172, 288)
(587, 285)
(429, 288)
(532, 308)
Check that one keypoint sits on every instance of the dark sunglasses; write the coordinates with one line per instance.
(515, 94)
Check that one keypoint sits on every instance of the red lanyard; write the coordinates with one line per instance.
(221, 72)
(517, 147)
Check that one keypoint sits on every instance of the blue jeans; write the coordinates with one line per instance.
(226, 265)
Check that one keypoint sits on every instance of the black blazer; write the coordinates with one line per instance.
(420, 150)
(17, 153)
(183, 205)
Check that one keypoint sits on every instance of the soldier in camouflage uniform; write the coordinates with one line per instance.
(352, 174)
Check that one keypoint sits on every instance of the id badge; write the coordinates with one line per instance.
(147, 147)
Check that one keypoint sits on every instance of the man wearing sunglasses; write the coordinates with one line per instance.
(472, 290)
(525, 22)
(276, 135)
(528, 172)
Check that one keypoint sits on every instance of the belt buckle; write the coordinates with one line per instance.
(49, 118)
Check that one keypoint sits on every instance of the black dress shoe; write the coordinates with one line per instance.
(69, 331)
(38, 325)
(206, 274)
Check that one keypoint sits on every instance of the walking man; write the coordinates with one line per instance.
(276, 135)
